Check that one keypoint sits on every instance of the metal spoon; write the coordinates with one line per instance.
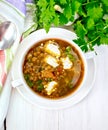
(8, 33)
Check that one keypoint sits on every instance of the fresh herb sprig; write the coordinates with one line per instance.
(40, 86)
(69, 54)
(91, 25)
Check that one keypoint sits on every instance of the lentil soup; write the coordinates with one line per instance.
(53, 68)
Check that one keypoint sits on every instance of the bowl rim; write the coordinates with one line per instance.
(48, 37)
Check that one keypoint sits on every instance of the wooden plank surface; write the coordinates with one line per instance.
(2, 128)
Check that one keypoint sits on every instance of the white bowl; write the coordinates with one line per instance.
(27, 43)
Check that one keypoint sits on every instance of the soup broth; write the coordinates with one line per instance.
(53, 68)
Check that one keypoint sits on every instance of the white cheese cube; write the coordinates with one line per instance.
(51, 61)
(52, 49)
(67, 64)
(50, 87)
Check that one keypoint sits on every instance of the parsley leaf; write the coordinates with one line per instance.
(104, 40)
(28, 81)
(82, 44)
(95, 13)
(39, 84)
(105, 2)
(40, 87)
(69, 54)
(80, 30)
(47, 13)
(63, 1)
(75, 6)
(62, 19)
(67, 11)
(90, 24)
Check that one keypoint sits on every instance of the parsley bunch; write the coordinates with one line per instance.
(91, 26)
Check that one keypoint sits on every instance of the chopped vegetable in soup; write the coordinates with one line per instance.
(53, 68)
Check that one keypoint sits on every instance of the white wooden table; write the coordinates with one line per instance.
(90, 114)
(2, 128)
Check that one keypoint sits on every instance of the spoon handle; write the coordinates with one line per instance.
(3, 28)
(8, 33)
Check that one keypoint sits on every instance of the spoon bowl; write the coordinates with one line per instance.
(8, 34)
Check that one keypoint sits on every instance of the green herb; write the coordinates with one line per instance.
(71, 86)
(30, 83)
(68, 49)
(69, 54)
(91, 25)
(38, 82)
(49, 79)
(27, 78)
(40, 86)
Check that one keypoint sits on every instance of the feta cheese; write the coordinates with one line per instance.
(67, 64)
(50, 87)
(51, 61)
(52, 49)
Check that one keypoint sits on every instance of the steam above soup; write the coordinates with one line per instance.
(53, 68)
